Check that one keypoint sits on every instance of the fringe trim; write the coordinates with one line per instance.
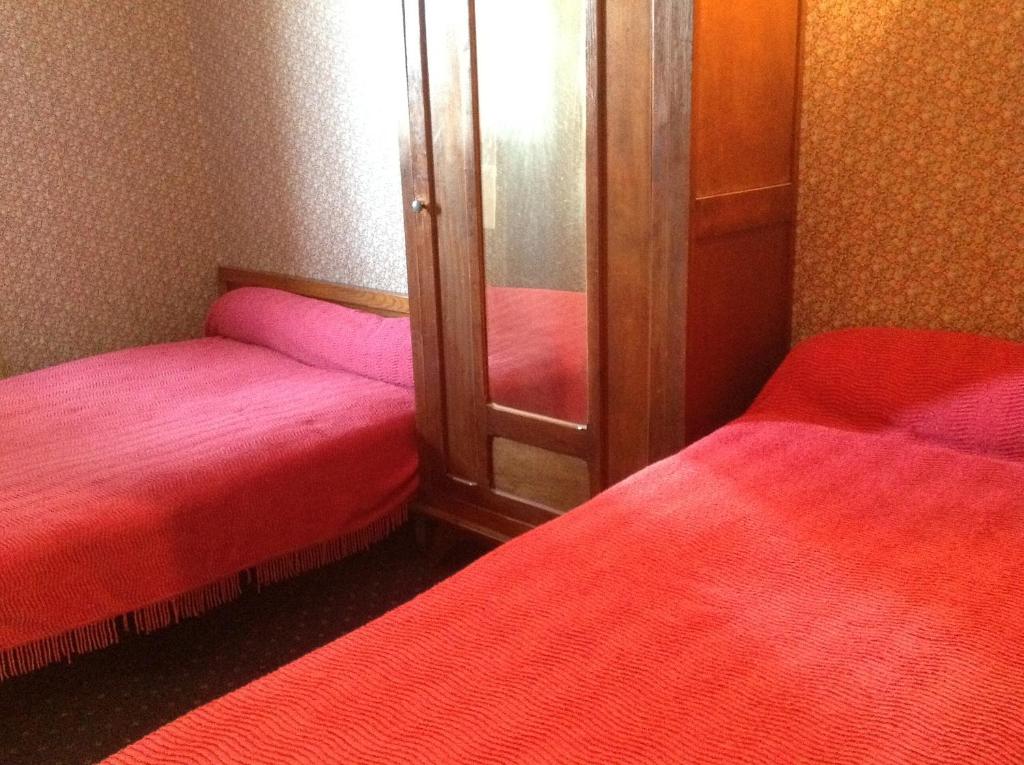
(293, 564)
(159, 615)
(35, 655)
(25, 658)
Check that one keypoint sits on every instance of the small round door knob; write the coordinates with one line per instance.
(418, 205)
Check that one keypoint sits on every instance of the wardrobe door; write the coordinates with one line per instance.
(502, 183)
(458, 238)
(599, 226)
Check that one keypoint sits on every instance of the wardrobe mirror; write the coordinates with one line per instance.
(532, 91)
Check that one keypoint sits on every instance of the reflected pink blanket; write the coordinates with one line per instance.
(834, 578)
(142, 482)
(537, 345)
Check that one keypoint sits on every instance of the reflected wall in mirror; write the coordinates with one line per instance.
(532, 111)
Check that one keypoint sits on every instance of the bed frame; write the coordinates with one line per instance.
(374, 301)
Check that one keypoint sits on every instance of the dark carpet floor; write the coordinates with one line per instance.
(88, 709)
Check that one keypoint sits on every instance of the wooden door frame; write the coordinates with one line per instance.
(648, 75)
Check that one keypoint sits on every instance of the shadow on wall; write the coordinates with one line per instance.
(300, 105)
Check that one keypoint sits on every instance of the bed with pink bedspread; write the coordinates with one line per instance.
(138, 487)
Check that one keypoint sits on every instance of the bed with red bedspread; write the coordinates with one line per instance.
(135, 486)
(835, 577)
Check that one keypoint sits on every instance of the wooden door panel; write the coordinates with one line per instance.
(456, 213)
(745, 84)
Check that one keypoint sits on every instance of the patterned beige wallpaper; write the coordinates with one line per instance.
(300, 106)
(912, 166)
(105, 235)
(144, 142)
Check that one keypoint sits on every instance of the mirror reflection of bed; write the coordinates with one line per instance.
(533, 194)
(537, 351)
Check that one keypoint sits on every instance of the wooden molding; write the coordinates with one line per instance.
(428, 351)
(725, 214)
(471, 518)
(671, 116)
(629, 248)
(597, 243)
(373, 301)
(546, 432)
(457, 249)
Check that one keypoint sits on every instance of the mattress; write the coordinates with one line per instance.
(835, 577)
(136, 486)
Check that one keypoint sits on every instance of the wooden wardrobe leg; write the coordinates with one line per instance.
(434, 539)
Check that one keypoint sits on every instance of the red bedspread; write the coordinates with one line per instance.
(830, 579)
(142, 482)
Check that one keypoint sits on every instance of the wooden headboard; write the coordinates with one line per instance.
(382, 303)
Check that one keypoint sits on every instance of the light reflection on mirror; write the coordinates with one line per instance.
(531, 79)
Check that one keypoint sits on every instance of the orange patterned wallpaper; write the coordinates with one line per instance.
(105, 235)
(912, 166)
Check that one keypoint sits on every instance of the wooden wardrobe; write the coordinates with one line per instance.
(627, 166)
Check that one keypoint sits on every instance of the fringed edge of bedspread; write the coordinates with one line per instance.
(26, 658)
(293, 564)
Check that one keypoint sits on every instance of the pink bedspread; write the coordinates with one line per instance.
(142, 482)
(834, 578)
(537, 346)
